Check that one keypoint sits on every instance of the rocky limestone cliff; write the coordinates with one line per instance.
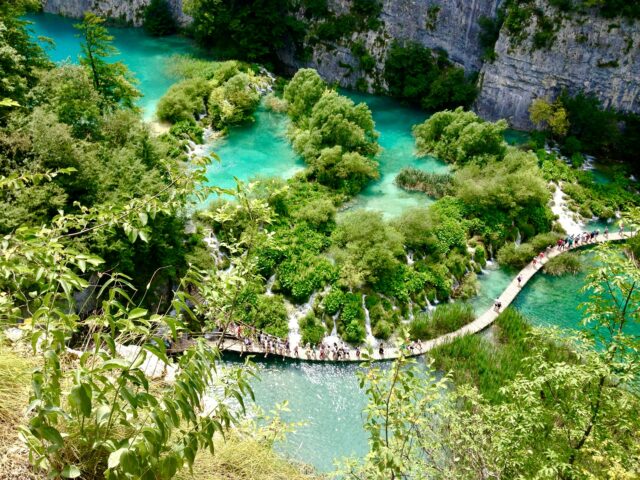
(126, 11)
(589, 53)
(450, 25)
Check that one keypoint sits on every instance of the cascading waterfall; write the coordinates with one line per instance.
(435, 299)
(518, 238)
(430, 307)
(371, 340)
(270, 282)
(409, 256)
(411, 315)
(214, 246)
(490, 261)
(295, 314)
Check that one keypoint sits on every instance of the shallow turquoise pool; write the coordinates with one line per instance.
(145, 56)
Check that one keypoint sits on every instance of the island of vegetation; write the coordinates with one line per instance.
(106, 262)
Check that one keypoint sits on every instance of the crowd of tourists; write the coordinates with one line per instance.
(254, 341)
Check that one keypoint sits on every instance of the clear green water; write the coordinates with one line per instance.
(325, 396)
(145, 56)
(394, 122)
(258, 149)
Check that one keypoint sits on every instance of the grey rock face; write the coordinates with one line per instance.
(590, 54)
(450, 25)
(129, 11)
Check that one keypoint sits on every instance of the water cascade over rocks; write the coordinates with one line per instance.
(565, 217)
(410, 260)
(269, 285)
(371, 340)
(295, 313)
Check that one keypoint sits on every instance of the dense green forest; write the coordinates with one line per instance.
(104, 264)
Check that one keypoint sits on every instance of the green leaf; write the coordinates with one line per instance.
(116, 363)
(71, 471)
(137, 313)
(143, 236)
(52, 436)
(114, 458)
(80, 398)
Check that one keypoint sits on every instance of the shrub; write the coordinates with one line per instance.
(183, 101)
(435, 185)
(333, 301)
(516, 256)
(354, 332)
(446, 318)
(158, 19)
(233, 102)
(382, 330)
(568, 262)
(189, 130)
(312, 329)
(544, 240)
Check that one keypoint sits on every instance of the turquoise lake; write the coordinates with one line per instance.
(324, 396)
(145, 56)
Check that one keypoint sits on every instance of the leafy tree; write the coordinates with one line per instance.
(158, 19)
(233, 102)
(334, 136)
(248, 30)
(514, 193)
(461, 137)
(21, 58)
(111, 79)
(365, 248)
(552, 115)
(303, 92)
(426, 78)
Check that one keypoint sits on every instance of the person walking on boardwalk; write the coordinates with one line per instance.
(519, 278)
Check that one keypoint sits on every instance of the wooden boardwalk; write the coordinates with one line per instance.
(479, 324)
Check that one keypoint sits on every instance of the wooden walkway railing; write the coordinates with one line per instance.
(234, 344)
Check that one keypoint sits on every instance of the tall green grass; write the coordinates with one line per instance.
(448, 317)
(435, 185)
(475, 360)
(562, 264)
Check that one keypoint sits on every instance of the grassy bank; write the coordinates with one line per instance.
(477, 360)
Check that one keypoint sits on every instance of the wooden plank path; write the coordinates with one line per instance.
(479, 324)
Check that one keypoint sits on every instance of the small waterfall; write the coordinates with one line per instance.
(270, 282)
(411, 315)
(334, 330)
(455, 281)
(518, 238)
(214, 246)
(371, 340)
(296, 312)
(409, 256)
(333, 336)
(490, 253)
(430, 307)
(435, 299)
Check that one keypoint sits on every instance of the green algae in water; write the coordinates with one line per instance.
(145, 56)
